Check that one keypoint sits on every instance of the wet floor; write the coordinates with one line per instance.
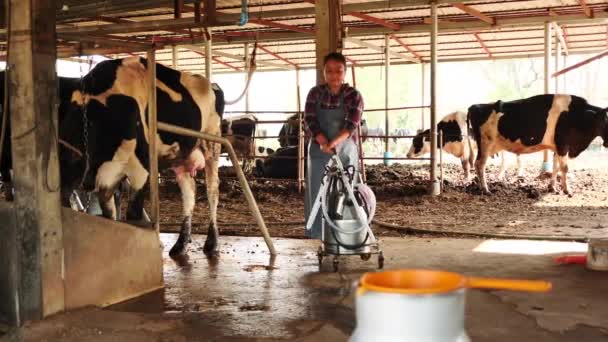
(245, 295)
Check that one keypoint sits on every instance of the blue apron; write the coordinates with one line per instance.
(331, 122)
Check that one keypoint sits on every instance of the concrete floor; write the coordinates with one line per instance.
(244, 296)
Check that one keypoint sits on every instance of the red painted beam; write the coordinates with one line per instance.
(264, 22)
(351, 61)
(586, 9)
(580, 64)
(281, 26)
(407, 47)
(475, 13)
(275, 55)
(483, 45)
(219, 61)
(374, 20)
(368, 18)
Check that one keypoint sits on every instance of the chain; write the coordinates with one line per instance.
(85, 132)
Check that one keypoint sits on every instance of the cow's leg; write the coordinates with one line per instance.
(138, 178)
(212, 155)
(553, 182)
(110, 174)
(503, 167)
(563, 167)
(480, 167)
(520, 168)
(187, 186)
(106, 200)
(465, 168)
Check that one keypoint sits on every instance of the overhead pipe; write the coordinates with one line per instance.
(244, 14)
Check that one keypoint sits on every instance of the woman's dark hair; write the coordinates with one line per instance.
(335, 56)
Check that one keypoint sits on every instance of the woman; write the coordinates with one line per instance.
(332, 117)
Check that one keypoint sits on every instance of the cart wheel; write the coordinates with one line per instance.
(380, 261)
(366, 256)
(336, 262)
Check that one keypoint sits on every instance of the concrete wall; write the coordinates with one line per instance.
(107, 262)
(8, 274)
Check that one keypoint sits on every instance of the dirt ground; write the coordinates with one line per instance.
(522, 206)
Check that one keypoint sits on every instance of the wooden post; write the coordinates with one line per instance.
(547, 68)
(208, 60)
(360, 134)
(152, 146)
(177, 8)
(435, 189)
(301, 140)
(558, 52)
(328, 31)
(387, 66)
(174, 57)
(565, 76)
(32, 92)
(423, 89)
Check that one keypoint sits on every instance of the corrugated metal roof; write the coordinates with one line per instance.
(458, 42)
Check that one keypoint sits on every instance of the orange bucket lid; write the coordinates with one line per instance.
(412, 282)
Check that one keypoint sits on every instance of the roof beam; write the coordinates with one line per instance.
(552, 13)
(380, 49)
(447, 27)
(407, 47)
(483, 45)
(560, 36)
(183, 23)
(586, 9)
(275, 24)
(580, 64)
(368, 18)
(200, 50)
(428, 21)
(476, 13)
(374, 20)
(276, 55)
(263, 22)
(351, 61)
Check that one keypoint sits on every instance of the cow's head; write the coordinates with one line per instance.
(72, 152)
(420, 144)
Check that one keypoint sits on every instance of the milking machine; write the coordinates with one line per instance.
(347, 210)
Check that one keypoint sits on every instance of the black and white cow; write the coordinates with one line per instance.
(68, 96)
(282, 163)
(564, 124)
(114, 97)
(455, 142)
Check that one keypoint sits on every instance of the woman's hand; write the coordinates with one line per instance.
(328, 148)
(321, 139)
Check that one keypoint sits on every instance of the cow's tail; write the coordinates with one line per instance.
(469, 141)
(220, 101)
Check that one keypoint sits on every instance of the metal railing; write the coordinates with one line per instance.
(255, 211)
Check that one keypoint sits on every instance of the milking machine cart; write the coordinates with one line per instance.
(347, 210)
